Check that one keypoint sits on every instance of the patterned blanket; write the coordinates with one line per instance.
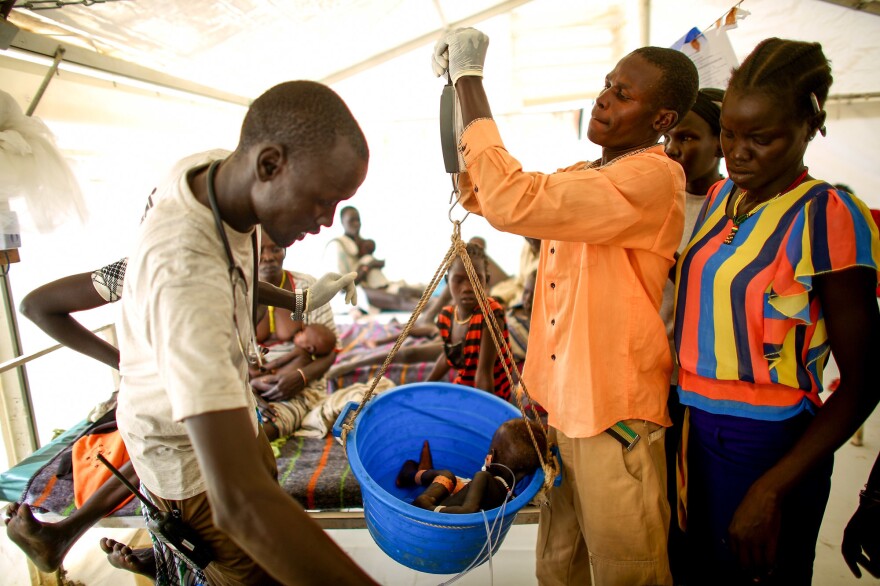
(314, 471)
(352, 340)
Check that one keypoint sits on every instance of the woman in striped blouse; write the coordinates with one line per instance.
(781, 269)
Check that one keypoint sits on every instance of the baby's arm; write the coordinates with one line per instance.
(299, 358)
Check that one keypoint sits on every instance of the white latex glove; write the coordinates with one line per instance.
(461, 52)
(327, 287)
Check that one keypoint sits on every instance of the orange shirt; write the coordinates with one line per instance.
(597, 347)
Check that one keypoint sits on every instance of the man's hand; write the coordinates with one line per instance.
(861, 540)
(328, 286)
(460, 52)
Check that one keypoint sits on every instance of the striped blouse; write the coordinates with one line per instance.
(466, 357)
(749, 331)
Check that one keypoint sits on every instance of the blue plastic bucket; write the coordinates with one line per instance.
(459, 423)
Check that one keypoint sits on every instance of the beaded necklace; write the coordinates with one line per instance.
(272, 307)
(593, 165)
(739, 219)
(460, 322)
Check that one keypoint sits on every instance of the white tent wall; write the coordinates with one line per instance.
(121, 139)
(849, 40)
(118, 140)
(849, 153)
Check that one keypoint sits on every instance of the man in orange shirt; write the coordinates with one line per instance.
(597, 351)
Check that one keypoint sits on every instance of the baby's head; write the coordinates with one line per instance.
(316, 339)
(512, 446)
(368, 246)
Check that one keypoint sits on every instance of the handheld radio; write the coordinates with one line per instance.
(169, 528)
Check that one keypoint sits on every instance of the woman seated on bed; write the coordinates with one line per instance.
(467, 344)
(355, 254)
(288, 388)
(310, 344)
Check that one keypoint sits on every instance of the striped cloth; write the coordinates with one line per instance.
(749, 331)
(468, 359)
(314, 471)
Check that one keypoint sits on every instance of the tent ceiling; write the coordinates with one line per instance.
(553, 51)
(244, 46)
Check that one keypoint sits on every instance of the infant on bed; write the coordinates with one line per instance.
(282, 417)
(314, 415)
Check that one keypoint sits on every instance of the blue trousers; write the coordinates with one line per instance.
(726, 454)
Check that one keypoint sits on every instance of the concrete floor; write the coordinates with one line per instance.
(514, 564)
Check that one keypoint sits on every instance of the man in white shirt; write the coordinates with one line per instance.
(185, 410)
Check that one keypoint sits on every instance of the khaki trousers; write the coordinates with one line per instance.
(609, 516)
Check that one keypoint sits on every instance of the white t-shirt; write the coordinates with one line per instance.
(692, 206)
(179, 347)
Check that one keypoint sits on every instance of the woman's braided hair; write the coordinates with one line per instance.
(787, 70)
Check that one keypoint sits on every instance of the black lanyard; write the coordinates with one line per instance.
(233, 268)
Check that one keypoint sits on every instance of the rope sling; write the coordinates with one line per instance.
(458, 250)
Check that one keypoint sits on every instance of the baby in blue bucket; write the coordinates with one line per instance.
(511, 458)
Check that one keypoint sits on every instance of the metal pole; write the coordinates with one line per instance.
(20, 433)
(645, 22)
(59, 53)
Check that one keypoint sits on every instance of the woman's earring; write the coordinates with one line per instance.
(814, 101)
